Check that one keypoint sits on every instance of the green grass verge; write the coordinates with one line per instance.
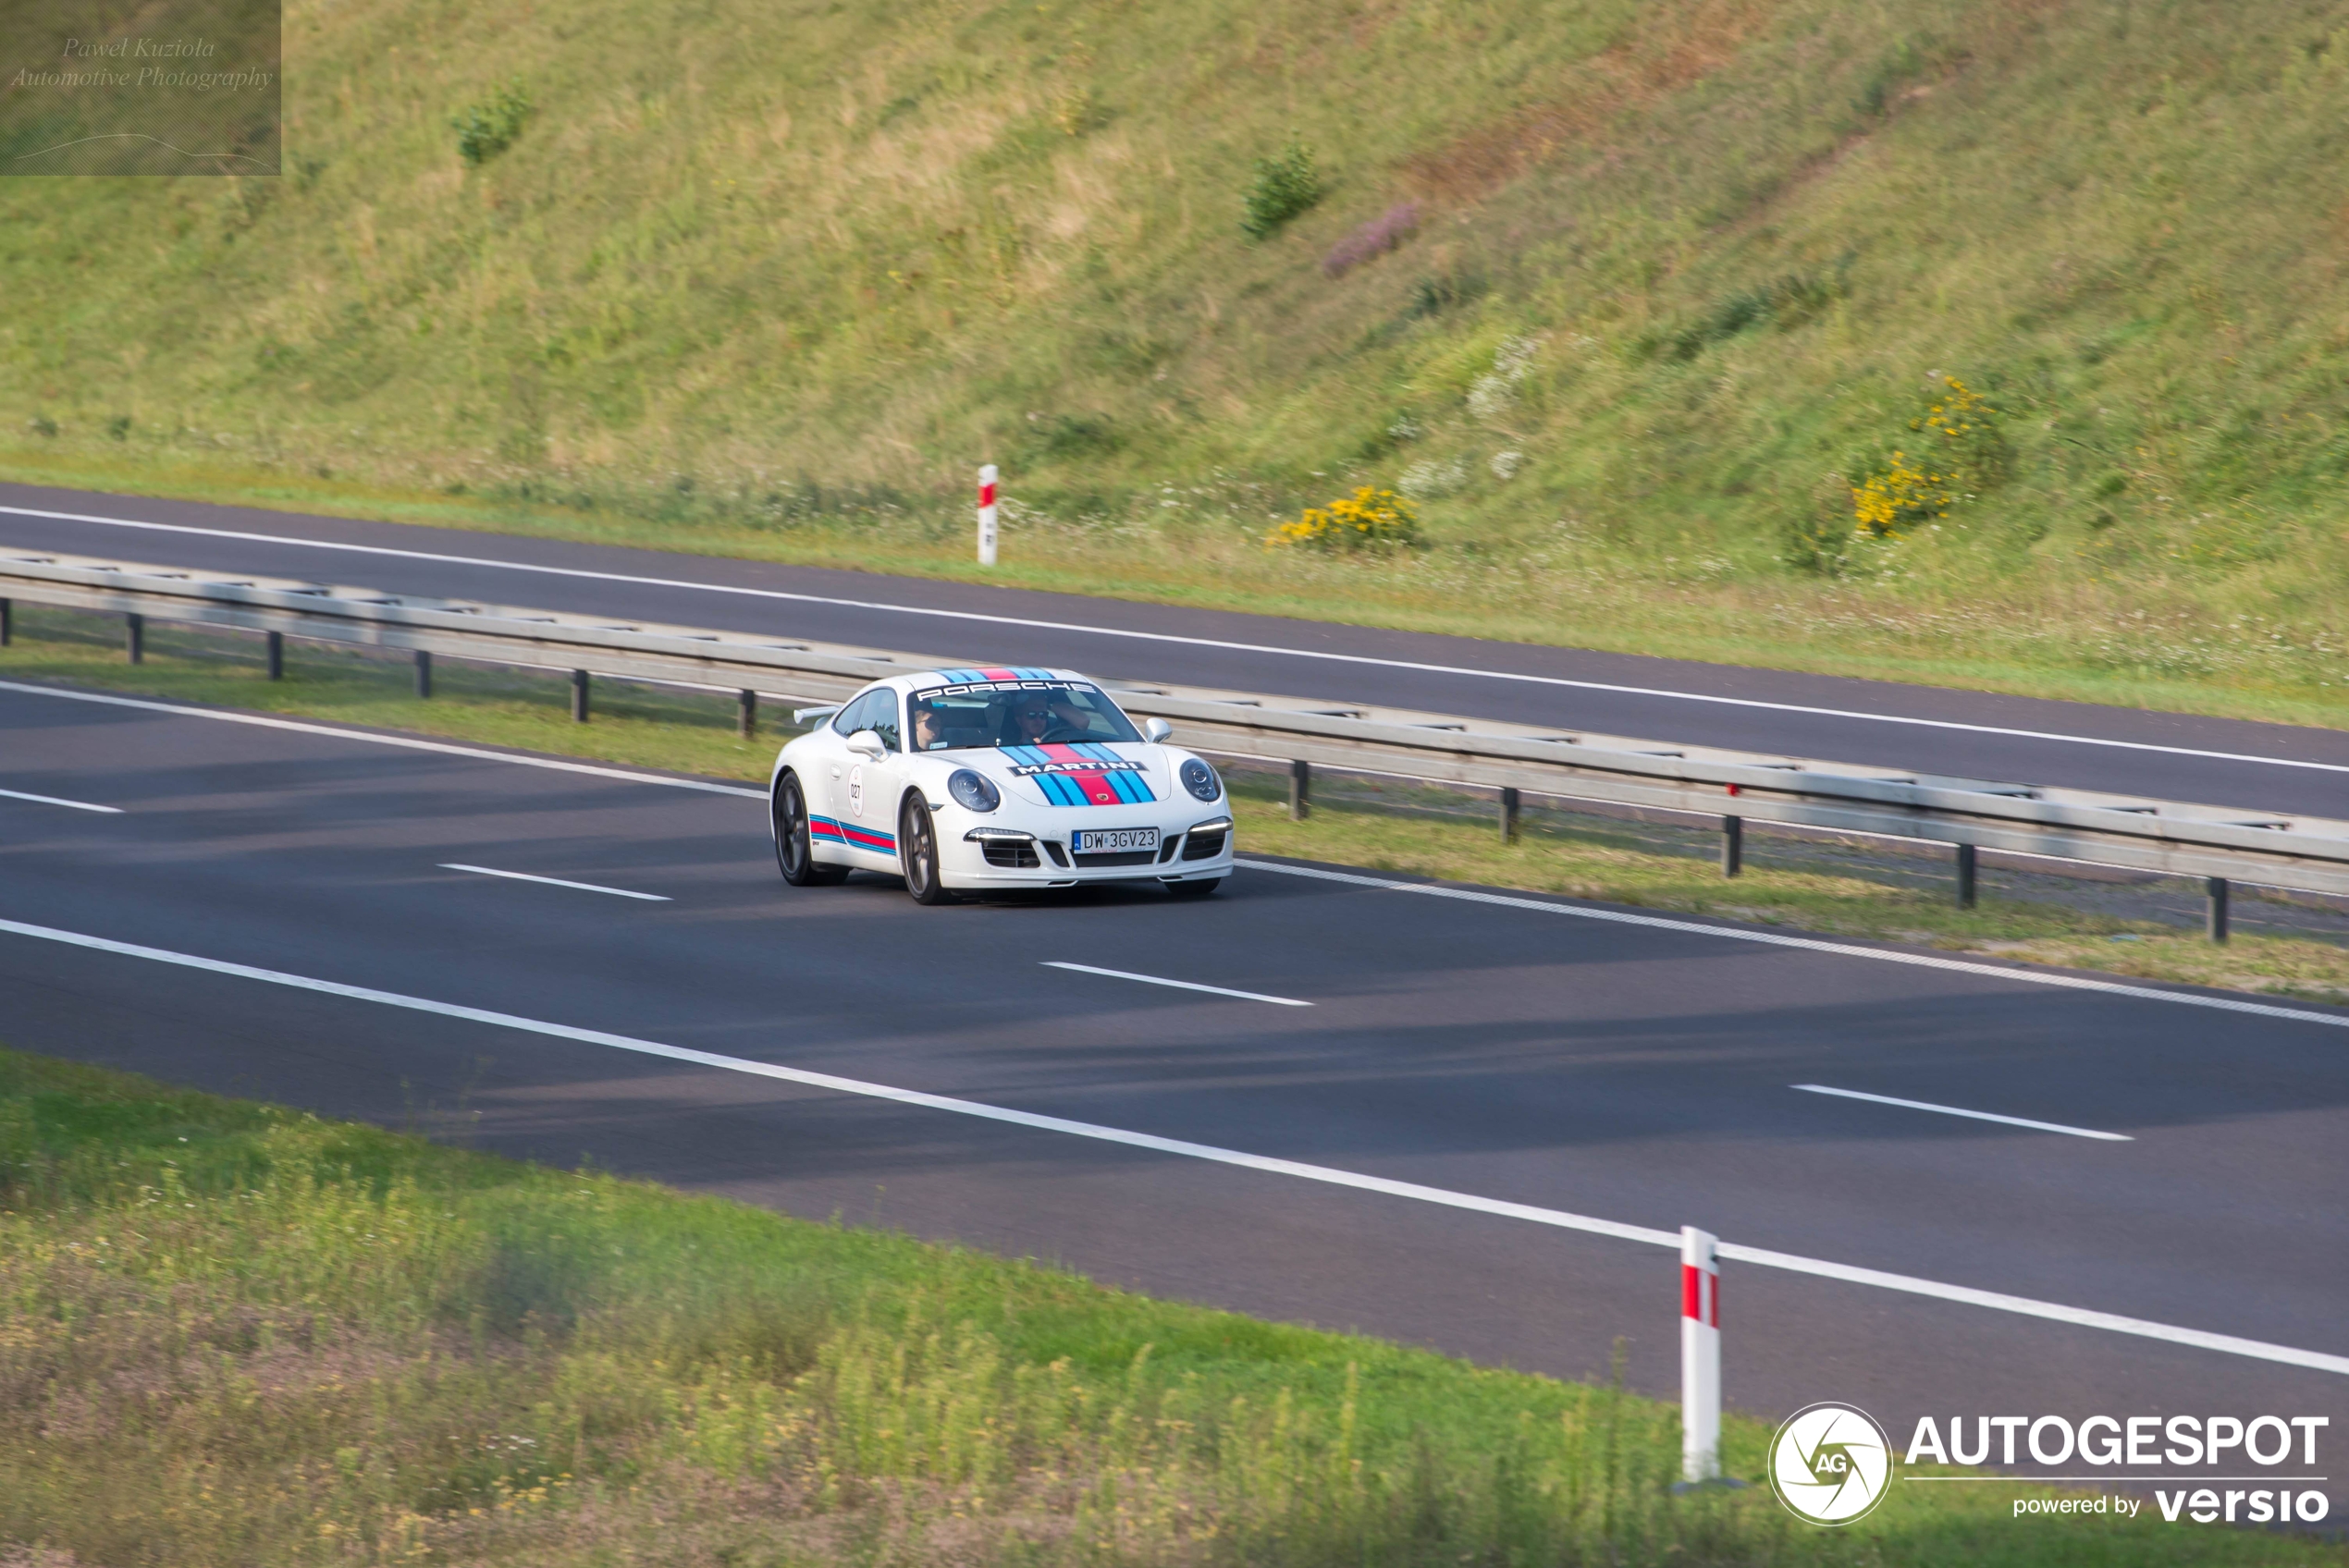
(237, 1334)
(1682, 274)
(694, 733)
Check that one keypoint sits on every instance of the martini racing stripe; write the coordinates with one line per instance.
(850, 834)
(1085, 773)
(965, 677)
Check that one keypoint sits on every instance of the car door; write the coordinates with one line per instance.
(864, 792)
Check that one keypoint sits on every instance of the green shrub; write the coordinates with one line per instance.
(489, 126)
(1786, 303)
(1068, 438)
(1285, 187)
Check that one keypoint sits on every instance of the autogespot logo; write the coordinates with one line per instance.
(1830, 1464)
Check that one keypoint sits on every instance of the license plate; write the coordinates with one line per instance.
(1115, 841)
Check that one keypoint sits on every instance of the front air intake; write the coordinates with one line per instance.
(1205, 846)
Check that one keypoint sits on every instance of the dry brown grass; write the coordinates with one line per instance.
(1675, 47)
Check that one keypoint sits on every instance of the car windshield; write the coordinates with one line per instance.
(1014, 713)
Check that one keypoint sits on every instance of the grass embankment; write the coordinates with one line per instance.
(237, 1334)
(1682, 278)
(1580, 856)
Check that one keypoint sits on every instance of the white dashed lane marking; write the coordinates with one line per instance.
(58, 801)
(556, 882)
(1970, 1115)
(1178, 984)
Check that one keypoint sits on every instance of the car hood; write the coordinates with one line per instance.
(1084, 773)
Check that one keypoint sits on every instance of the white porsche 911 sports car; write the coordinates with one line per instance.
(971, 779)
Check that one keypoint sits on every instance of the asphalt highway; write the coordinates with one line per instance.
(2170, 756)
(1641, 1073)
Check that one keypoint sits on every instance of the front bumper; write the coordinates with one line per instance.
(987, 854)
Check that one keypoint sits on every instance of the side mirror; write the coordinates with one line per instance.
(869, 745)
(1156, 730)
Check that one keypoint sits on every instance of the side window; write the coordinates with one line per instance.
(882, 720)
(848, 720)
(876, 711)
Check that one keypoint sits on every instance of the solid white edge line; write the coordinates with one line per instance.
(1811, 943)
(2230, 1344)
(1972, 1115)
(59, 801)
(1559, 1218)
(1225, 644)
(1178, 984)
(556, 882)
(406, 742)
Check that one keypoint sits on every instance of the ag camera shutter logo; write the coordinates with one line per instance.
(1830, 1463)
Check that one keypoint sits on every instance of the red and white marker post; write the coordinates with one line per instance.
(1700, 1356)
(987, 515)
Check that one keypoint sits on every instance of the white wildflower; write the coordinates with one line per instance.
(1493, 393)
(1431, 479)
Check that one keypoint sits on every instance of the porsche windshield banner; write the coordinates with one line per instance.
(978, 688)
(1083, 756)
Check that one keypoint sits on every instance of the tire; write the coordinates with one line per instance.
(1198, 889)
(918, 852)
(795, 849)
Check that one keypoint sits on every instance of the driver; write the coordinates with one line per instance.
(929, 733)
(1036, 719)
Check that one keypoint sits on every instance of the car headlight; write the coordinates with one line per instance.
(1201, 780)
(972, 790)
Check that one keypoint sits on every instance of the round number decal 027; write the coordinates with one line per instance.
(856, 791)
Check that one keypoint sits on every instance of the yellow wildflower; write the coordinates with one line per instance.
(1369, 518)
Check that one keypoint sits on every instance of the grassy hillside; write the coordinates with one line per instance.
(1670, 282)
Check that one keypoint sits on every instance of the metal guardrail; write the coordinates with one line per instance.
(2221, 844)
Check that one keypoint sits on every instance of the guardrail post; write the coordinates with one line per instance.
(134, 637)
(8, 621)
(2217, 890)
(424, 673)
(1700, 1356)
(276, 656)
(1510, 801)
(1732, 845)
(1965, 875)
(1300, 790)
(579, 696)
(747, 714)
